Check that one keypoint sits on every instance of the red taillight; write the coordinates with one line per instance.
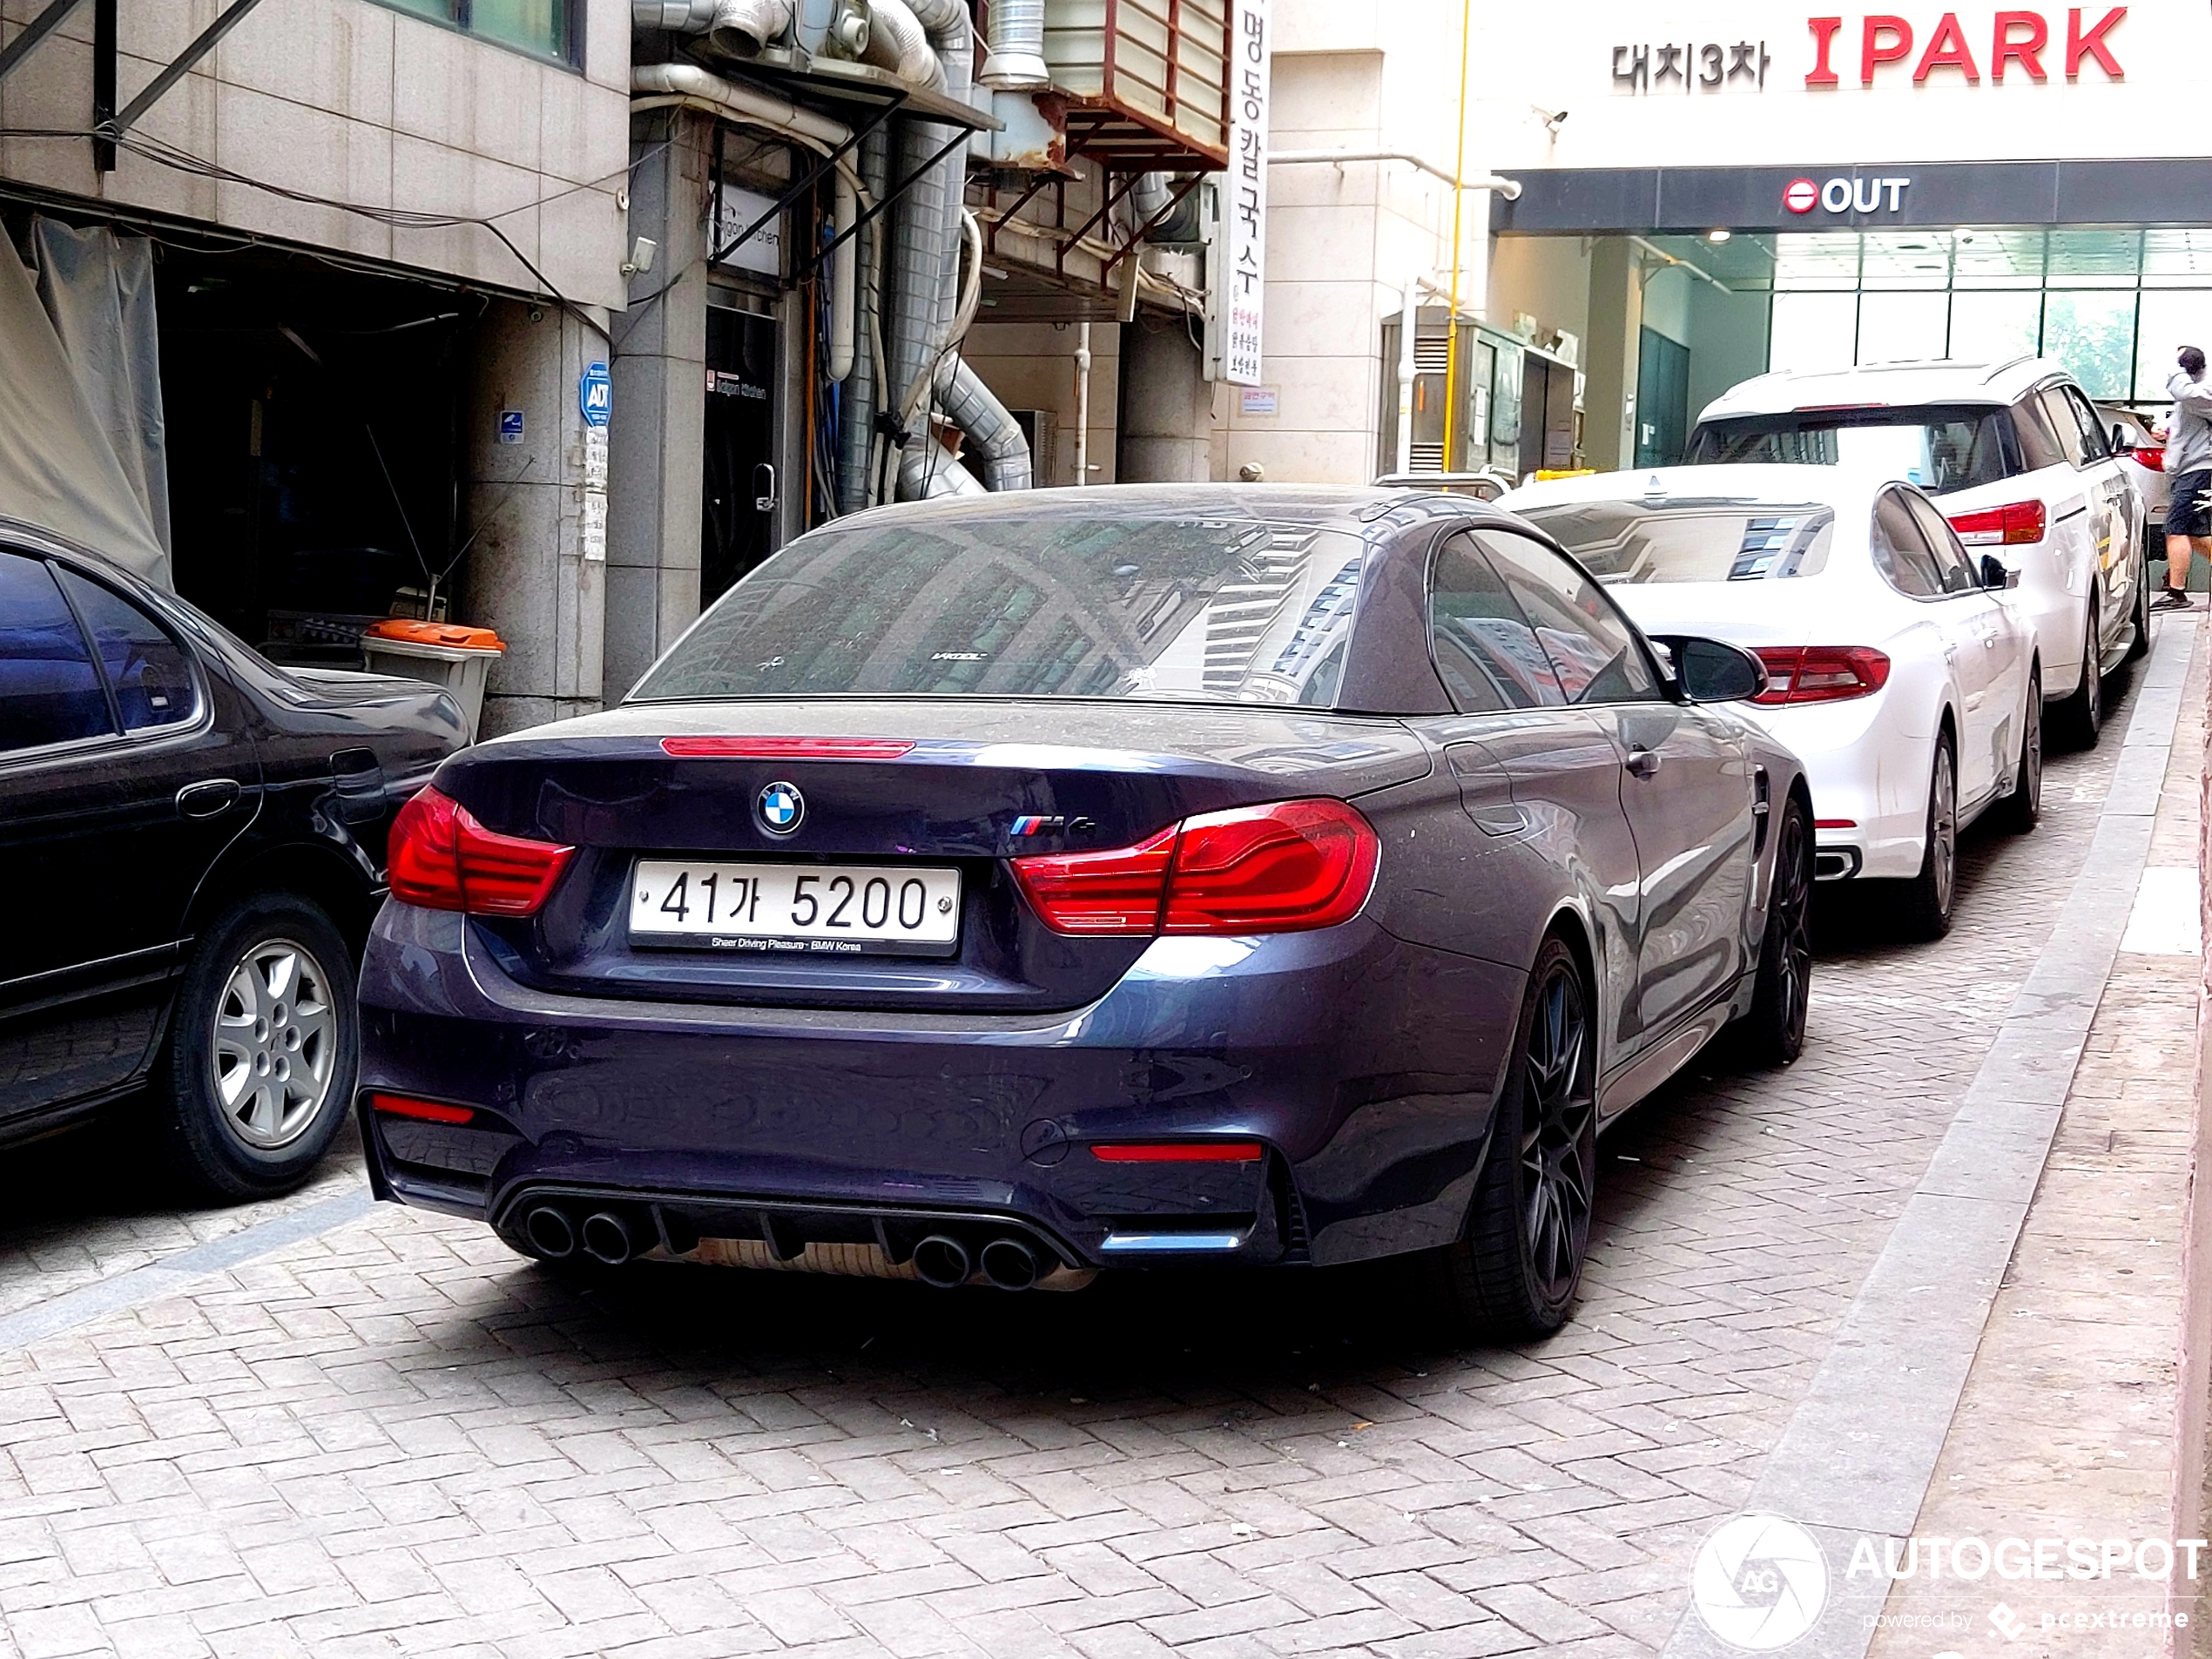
(786, 748)
(2150, 460)
(1821, 674)
(1115, 892)
(2022, 520)
(430, 1111)
(1179, 1152)
(1835, 823)
(442, 859)
(1283, 867)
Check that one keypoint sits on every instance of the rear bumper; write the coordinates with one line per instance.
(1365, 1067)
(1869, 783)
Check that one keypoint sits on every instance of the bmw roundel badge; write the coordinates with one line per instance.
(781, 808)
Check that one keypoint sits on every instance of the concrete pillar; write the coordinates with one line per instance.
(1167, 406)
(1616, 325)
(524, 502)
(659, 432)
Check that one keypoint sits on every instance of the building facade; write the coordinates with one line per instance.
(1664, 203)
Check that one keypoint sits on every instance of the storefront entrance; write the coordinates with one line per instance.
(737, 519)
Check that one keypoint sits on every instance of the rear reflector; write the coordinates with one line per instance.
(2150, 460)
(1284, 868)
(1180, 1152)
(1821, 674)
(1835, 823)
(429, 1111)
(2020, 522)
(786, 748)
(442, 859)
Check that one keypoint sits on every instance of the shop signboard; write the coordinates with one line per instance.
(1241, 287)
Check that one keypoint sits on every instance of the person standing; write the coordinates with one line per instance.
(2188, 458)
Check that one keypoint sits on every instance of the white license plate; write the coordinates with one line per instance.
(802, 909)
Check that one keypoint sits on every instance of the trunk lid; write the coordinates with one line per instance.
(984, 781)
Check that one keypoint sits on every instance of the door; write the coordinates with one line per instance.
(2113, 506)
(120, 790)
(1992, 679)
(1663, 399)
(736, 527)
(1686, 789)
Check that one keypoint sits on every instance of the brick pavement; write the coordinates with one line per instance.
(398, 1438)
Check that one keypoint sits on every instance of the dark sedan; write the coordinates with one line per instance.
(999, 890)
(192, 843)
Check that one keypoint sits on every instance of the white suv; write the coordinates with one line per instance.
(2015, 457)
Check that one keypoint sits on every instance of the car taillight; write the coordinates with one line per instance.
(427, 1111)
(1177, 1152)
(1283, 867)
(2021, 521)
(442, 859)
(1821, 674)
(2150, 460)
(786, 748)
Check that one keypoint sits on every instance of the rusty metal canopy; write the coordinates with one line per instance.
(1141, 85)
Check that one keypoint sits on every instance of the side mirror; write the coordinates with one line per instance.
(1996, 573)
(1712, 670)
(2122, 444)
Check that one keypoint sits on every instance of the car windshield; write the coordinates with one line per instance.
(1629, 541)
(1940, 449)
(1181, 608)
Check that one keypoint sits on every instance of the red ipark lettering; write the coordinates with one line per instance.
(1823, 37)
(2027, 50)
(2092, 45)
(1874, 49)
(1947, 49)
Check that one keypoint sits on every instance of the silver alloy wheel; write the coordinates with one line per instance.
(275, 1043)
(1943, 825)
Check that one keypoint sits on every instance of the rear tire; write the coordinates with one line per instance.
(1516, 1272)
(2081, 716)
(2019, 811)
(1929, 895)
(1773, 1032)
(264, 1044)
(2141, 648)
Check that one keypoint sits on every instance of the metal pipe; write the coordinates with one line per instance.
(1014, 47)
(844, 323)
(1408, 326)
(1510, 188)
(898, 42)
(857, 403)
(1083, 403)
(746, 106)
(1665, 258)
(741, 28)
(678, 17)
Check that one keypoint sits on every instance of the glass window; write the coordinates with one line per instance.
(1628, 542)
(1994, 326)
(2094, 444)
(1052, 602)
(2060, 415)
(1903, 327)
(544, 28)
(2091, 334)
(1485, 650)
(151, 677)
(1938, 448)
(1952, 565)
(50, 692)
(1813, 331)
(2169, 319)
(1595, 654)
(1900, 552)
(2039, 439)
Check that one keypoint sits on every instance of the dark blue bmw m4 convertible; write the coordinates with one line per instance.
(998, 890)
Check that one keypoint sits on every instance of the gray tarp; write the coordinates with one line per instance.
(81, 447)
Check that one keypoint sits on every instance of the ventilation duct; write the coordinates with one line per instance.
(741, 28)
(1014, 38)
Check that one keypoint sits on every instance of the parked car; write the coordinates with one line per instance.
(2134, 440)
(1005, 889)
(1899, 668)
(195, 842)
(2020, 462)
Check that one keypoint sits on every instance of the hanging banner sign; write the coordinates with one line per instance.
(1241, 285)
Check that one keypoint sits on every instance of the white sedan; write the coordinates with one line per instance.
(1900, 669)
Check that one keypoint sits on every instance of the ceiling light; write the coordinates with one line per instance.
(1717, 235)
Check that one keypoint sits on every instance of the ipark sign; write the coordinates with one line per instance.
(2027, 46)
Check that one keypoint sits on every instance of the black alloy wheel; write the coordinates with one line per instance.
(2020, 811)
(1929, 894)
(1516, 1272)
(1773, 1032)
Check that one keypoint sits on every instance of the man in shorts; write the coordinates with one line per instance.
(2188, 459)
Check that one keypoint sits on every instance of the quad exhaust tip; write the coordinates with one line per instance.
(942, 1261)
(606, 1239)
(1009, 1263)
(549, 1233)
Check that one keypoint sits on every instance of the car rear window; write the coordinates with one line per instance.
(1938, 449)
(1626, 541)
(1181, 608)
